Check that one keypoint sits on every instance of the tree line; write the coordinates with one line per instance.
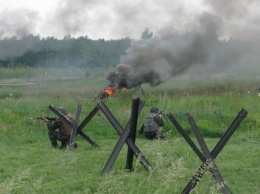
(34, 51)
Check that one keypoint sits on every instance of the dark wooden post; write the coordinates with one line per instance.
(132, 133)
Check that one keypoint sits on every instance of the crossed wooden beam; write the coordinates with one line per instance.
(127, 136)
(206, 156)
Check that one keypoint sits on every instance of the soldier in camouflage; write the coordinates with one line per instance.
(153, 123)
(64, 130)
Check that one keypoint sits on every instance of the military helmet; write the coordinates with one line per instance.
(62, 110)
(154, 109)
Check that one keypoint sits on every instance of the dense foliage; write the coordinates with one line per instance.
(33, 51)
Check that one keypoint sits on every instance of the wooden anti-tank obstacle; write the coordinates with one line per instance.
(206, 156)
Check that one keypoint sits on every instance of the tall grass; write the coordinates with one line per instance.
(29, 164)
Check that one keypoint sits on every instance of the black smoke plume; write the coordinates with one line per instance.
(155, 60)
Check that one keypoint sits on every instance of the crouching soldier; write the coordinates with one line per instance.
(64, 130)
(153, 124)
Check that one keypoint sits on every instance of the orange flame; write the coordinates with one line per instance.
(109, 90)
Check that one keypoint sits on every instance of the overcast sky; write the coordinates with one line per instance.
(115, 19)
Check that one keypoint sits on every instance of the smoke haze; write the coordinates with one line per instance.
(203, 50)
(190, 36)
(112, 19)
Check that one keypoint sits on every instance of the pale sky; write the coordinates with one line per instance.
(115, 19)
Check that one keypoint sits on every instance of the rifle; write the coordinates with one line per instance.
(161, 113)
(47, 119)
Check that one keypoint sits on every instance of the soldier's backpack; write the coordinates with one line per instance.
(150, 124)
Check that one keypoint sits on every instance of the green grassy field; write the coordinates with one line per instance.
(29, 164)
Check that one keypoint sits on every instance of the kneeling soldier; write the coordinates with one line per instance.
(153, 123)
(64, 130)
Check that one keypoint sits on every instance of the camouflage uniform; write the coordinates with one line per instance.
(64, 133)
(152, 126)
